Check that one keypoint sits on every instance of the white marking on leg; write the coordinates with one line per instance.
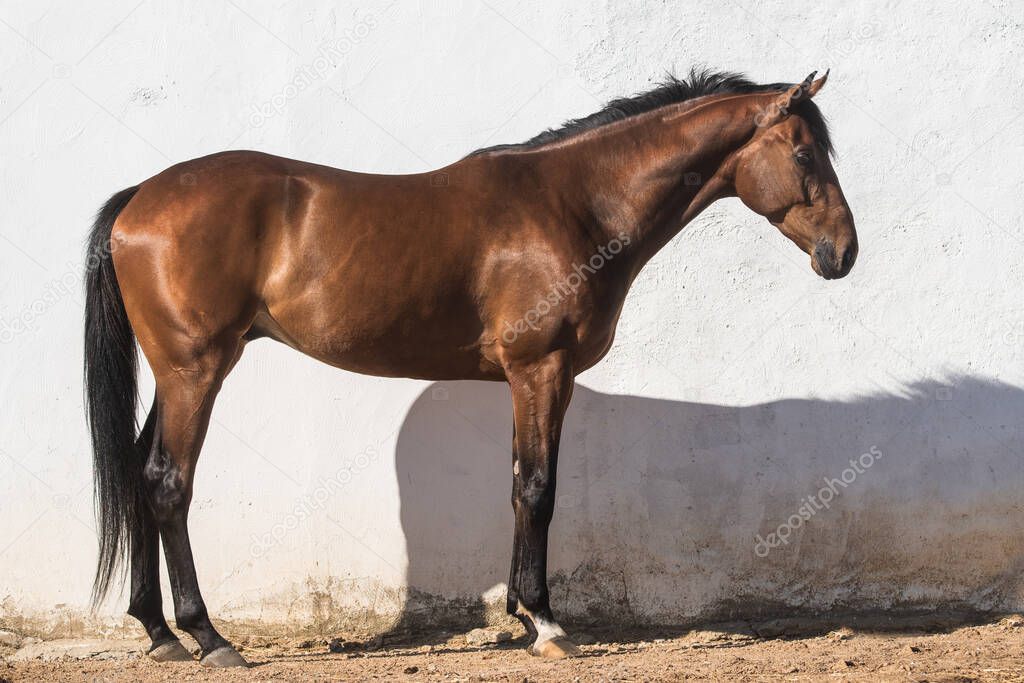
(515, 467)
(546, 630)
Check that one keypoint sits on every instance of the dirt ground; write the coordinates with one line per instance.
(854, 649)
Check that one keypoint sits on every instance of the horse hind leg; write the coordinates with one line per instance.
(146, 603)
(185, 397)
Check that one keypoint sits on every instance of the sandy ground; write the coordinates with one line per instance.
(878, 649)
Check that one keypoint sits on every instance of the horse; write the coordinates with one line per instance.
(511, 264)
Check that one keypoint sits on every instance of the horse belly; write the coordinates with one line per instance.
(392, 333)
(369, 284)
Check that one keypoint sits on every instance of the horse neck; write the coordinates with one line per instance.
(647, 177)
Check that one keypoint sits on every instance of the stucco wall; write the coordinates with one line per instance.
(739, 382)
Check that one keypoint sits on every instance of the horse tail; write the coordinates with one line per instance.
(111, 366)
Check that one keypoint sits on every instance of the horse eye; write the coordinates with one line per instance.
(803, 158)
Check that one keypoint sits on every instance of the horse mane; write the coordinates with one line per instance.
(699, 83)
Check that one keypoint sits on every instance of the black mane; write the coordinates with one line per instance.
(673, 90)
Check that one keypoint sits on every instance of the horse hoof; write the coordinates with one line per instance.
(171, 651)
(223, 657)
(556, 648)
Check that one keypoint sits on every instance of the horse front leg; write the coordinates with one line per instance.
(540, 395)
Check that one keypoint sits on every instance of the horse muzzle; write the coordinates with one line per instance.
(829, 264)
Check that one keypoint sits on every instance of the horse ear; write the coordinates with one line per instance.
(815, 86)
(804, 91)
(787, 100)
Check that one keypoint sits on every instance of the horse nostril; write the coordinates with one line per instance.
(848, 257)
(825, 255)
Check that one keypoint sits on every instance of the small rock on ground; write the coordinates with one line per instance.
(843, 633)
(10, 639)
(481, 636)
(725, 632)
(337, 645)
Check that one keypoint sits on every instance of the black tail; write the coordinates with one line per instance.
(110, 385)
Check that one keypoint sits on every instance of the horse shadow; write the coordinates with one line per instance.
(674, 512)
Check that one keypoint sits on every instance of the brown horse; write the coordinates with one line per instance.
(511, 264)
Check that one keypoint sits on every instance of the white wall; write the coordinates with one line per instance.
(738, 382)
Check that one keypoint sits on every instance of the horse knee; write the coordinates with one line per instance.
(536, 496)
